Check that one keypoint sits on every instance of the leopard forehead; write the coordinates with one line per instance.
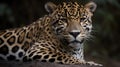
(71, 10)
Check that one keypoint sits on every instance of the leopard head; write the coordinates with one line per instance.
(71, 22)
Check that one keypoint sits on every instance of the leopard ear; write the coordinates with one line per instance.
(91, 6)
(50, 7)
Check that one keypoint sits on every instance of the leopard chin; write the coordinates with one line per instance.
(75, 45)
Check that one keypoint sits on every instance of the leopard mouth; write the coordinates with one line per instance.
(76, 41)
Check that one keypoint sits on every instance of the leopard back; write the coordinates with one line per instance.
(15, 42)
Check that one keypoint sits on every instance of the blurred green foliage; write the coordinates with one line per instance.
(105, 42)
(106, 26)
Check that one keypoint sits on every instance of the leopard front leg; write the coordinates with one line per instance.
(55, 57)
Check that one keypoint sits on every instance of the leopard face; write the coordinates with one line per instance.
(71, 23)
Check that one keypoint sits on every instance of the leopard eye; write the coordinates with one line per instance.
(82, 19)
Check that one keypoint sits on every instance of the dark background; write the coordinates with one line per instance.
(103, 47)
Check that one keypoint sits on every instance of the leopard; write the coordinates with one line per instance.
(57, 37)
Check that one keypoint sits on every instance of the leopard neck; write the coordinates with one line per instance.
(43, 30)
(77, 53)
(39, 27)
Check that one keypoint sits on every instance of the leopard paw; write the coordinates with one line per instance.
(93, 63)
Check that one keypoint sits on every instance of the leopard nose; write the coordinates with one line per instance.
(74, 34)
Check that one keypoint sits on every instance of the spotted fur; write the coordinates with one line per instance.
(57, 37)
